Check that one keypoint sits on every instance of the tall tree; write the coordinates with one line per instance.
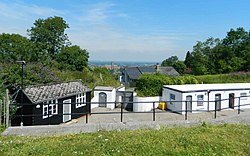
(170, 61)
(15, 47)
(180, 67)
(73, 58)
(49, 34)
(188, 60)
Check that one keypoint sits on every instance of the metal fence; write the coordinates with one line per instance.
(120, 110)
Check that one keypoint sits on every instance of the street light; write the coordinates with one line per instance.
(22, 63)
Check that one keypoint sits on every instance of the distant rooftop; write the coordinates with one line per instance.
(135, 72)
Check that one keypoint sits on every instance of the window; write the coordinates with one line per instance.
(172, 98)
(200, 99)
(243, 96)
(50, 108)
(80, 100)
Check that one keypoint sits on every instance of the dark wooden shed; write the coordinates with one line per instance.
(51, 103)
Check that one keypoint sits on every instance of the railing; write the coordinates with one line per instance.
(87, 111)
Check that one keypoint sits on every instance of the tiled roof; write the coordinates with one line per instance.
(54, 91)
(147, 69)
(168, 71)
(135, 72)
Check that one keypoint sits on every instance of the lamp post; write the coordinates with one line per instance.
(22, 64)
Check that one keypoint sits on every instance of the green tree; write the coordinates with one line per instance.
(49, 35)
(170, 61)
(238, 43)
(15, 47)
(151, 84)
(179, 66)
(188, 60)
(73, 58)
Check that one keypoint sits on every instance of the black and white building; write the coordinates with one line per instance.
(51, 103)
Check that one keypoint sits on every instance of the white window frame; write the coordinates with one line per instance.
(243, 96)
(80, 100)
(171, 98)
(200, 100)
(50, 108)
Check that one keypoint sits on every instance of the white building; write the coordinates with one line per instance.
(106, 96)
(204, 97)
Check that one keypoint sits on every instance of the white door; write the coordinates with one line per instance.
(66, 110)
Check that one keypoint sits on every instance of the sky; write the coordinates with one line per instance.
(131, 30)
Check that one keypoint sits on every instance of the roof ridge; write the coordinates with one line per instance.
(139, 69)
(54, 83)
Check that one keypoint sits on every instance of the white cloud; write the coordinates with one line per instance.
(25, 11)
(92, 27)
(98, 35)
(17, 17)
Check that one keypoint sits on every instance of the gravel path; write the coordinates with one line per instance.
(110, 122)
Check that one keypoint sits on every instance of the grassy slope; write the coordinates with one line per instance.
(225, 78)
(201, 140)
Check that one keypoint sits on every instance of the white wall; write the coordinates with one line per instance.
(111, 95)
(94, 102)
(225, 99)
(178, 106)
(195, 106)
(145, 104)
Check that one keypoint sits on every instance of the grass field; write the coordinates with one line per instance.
(206, 139)
(225, 78)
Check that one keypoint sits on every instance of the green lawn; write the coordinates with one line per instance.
(201, 140)
(224, 78)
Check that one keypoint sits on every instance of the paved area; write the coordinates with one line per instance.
(131, 121)
(105, 115)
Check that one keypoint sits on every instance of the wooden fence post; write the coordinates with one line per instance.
(7, 108)
(4, 111)
(1, 106)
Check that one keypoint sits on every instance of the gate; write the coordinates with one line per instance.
(127, 99)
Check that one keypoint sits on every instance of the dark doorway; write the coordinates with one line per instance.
(218, 101)
(231, 100)
(127, 99)
(102, 99)
(189, 103)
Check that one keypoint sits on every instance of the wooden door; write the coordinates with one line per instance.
(102, 99)
(66, 110)
(231, 100)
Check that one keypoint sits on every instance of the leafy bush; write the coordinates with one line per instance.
(151, 84)
(90, 76)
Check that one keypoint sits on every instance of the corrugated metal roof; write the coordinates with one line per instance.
(54, 91)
